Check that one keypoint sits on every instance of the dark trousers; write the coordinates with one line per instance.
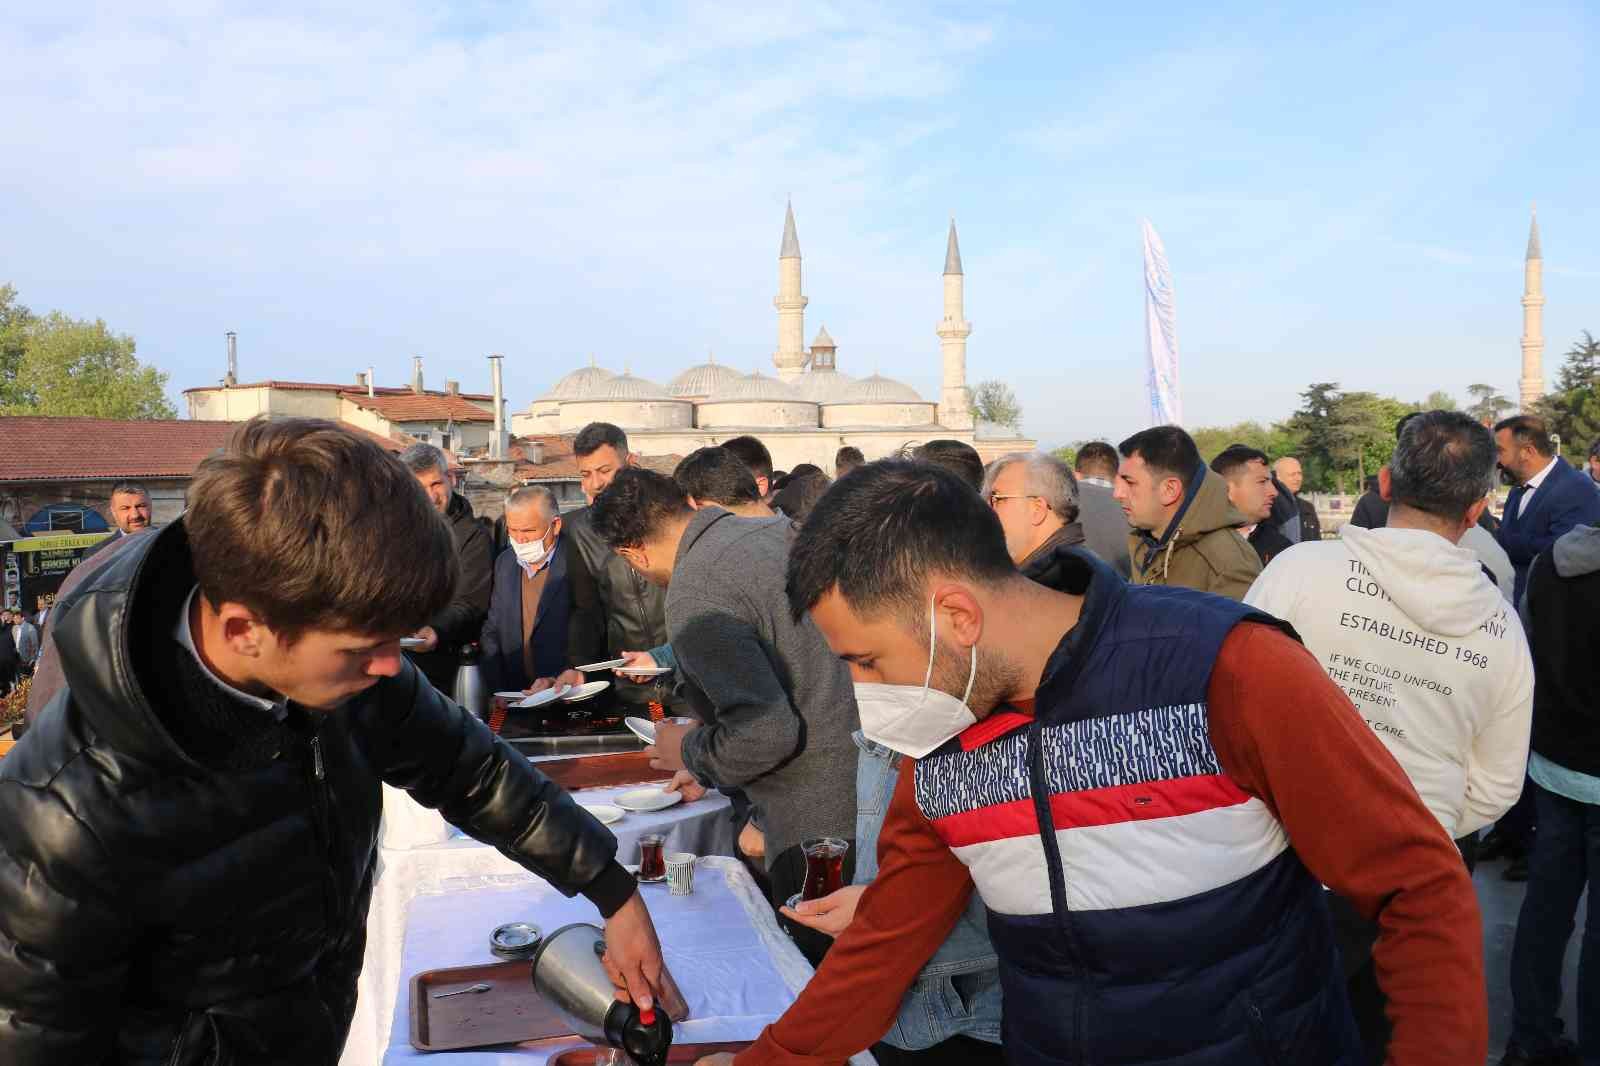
(1517, 825)
(1565, 859)
(1355, 936)
(957, 1051)
(788, 874)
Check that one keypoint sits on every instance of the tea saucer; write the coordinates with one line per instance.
(583, 692)
(607, 813)
(647, 799)
(643, 728)
(608, 664)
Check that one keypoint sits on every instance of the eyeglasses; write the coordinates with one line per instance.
(994, 496)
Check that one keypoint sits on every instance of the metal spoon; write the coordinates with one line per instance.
(463, 991)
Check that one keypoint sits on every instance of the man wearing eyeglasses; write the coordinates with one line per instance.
(1035, 497)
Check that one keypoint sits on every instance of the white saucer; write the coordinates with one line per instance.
(583, 692)
(606, 812)
(517, 701)
(411, 643)
(643, 671)
(643, 728)
(648, 799)
(609, 664)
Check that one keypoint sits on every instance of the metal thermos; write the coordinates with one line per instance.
(469, 688)
(568, 973)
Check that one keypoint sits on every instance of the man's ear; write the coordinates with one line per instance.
(1385, 483)
(242, 631)
(959, 613)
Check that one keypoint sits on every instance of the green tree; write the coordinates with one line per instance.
(14, 321)
(1439, 400)
(1312, 425)
(1067, 453)
(1487, 405)
(993, 401)
(1573, 410)
(74, 367)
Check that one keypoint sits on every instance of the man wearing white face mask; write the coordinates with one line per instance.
(1139, 783)
(544, 617)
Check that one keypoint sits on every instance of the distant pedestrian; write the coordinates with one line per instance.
(1305, 526)
(1551, 498)
(847, 459)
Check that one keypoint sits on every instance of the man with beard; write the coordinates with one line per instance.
(1110, 766)
(1551, 498)
(130, 508)
(188, 831)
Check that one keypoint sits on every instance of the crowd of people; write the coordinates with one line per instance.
(1133, 763)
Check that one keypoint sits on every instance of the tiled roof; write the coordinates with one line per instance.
(408, 406)
(64, 449)
(315, 386)
(560, 464)
(37, 448)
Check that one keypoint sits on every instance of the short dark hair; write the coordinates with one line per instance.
(1096, 459)
(716, 475)
(130, 488)
(636, 504)
(313, 527)
(800, 493)
(1167, 450)
(753, 453)
(1443, 464)
(1234, 456)
(847, 459)
(1405, 420)
(1594, 449)
(959, 458)
(597, 435)
(1529, 429)
(879, 533)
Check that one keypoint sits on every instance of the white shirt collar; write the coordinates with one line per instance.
(184, 636)
(1534, 482)
(1102, 482)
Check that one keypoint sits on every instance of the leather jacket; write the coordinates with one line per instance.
(635, 610)
(184, 878)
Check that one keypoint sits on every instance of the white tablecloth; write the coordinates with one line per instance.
(704, 827)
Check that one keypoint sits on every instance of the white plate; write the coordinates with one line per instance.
(583, 692)
(643, 728)
(648, 799)
(643, 671)
(606, 812)
(411, 643)
(609, 664)
(517, 701)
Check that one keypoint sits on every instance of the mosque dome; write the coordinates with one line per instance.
(702, 380)
(624, 387)
(822, 386)
(756, 387)
(579, 384)
(879, 389)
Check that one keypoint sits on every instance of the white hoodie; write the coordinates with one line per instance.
(1430, 653)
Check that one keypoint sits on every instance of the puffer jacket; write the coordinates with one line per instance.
(635, 610)
(184, 878)
(1202, 548)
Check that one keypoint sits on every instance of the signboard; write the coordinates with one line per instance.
(36, 566)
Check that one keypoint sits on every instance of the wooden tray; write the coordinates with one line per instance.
(511, 1012)
(603, 771)
(677, 1055)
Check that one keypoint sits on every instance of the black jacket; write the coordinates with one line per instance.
(1268, 542)
(184, 879)
(635, 610)
(1564, 635)
(1371, 511)
(461, 621)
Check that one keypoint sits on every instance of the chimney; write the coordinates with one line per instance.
(416, 374)
(497, 446)
(453, 388)
(233, 359)
(372, 381)
(361, 379)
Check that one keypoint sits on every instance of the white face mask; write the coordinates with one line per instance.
(530, 554)
(912, 720)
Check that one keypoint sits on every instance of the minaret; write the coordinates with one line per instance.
(955, 402)
(790, 358)
(1532, 320)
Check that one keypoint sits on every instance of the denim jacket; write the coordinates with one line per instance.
(958, 991)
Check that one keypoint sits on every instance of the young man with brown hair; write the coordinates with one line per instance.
(187, 832)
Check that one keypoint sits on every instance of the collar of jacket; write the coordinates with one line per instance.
(1152, 546)
(702, 520)
(458, 508)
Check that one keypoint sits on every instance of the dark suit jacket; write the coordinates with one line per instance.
(1564, 500)
(568, 630)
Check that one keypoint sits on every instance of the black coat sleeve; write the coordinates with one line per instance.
(448, 760)
(462, 619)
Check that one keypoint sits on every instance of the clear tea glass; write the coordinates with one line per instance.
(652, 857)
(824, 866)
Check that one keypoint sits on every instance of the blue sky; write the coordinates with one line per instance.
(1343, 194)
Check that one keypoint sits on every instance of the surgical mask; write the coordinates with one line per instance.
(532, 553)
(913, 720)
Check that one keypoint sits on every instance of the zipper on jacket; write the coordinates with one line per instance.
(324, 833)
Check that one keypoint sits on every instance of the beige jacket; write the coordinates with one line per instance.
(1205, 552)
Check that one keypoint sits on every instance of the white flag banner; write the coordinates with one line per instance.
(1161, 333)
